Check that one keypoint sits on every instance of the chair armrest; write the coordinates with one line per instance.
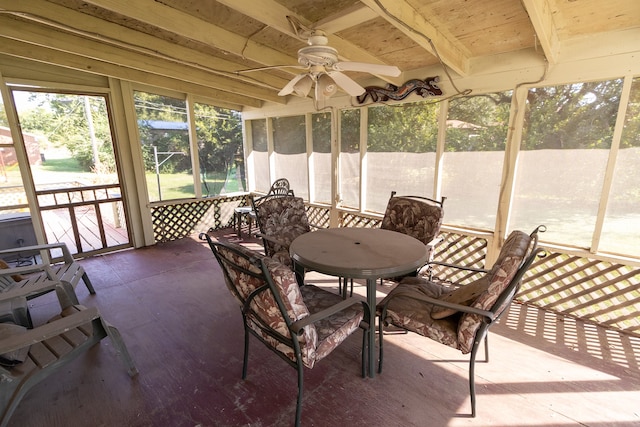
(66, 254)
(48, 330)
(272, 240)
(35, 289)
(297, 326)
(458, 307)
(28, 269)
(460, 267)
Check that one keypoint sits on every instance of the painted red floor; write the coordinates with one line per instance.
(184, 331)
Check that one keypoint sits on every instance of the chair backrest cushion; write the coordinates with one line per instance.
(414, 217)
(264, 311)
(284, 218)
(288, 289)
(464, 295)
(235, 259)
(503, 271)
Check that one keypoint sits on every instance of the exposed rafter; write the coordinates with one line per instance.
(175, 21)
(418, 28)
(88, 26)
(49, 56)
(542, 20)
(41, 35)
(275, 15)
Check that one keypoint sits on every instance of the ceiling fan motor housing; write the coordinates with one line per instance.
(317, 55)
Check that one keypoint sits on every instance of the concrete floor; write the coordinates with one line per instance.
(184, 331)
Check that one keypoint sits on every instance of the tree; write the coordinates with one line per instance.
(481, 122)
(579, 115)
(411, 128)
(63, 120)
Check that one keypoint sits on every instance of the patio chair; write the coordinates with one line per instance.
(460, 316)
(302, 325)
(281, 219)
(28, 356)
(280, 187)
(44, 268)
(416, 216)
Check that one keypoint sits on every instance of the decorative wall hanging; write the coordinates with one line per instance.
(424, 88)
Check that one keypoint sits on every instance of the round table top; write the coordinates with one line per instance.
(361, 253)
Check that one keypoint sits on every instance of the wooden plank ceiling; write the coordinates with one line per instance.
(201, 45)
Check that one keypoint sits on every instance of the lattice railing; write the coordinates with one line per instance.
(175, 221)
(586, 288)
(593, 290)
(355, 219)
(319, 216)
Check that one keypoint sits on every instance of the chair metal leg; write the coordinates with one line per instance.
(246, 352)
(300, 385)
(380, 335)
(365, 348)
(472, 383)
(486, 348)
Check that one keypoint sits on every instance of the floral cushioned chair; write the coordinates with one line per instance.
(300, 324)
(416, 216)
(281, 219)
(460, 316)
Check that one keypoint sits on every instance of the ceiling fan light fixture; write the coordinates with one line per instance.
(326, 86)
(303, 86)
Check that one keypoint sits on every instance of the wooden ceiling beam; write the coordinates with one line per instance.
(42, 35)
(97, 29)
(47, 55)
(418, 27)
(172, 20)
(540, 14)
(274, 15)
(350, 17)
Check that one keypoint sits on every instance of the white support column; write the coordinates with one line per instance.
(335, 167)
(124, 104)
(443, 111)
(364, 120)
(308, 120)
(249, 158)
(611, 162)
(193, 144)
(271, 151)
(509, 170)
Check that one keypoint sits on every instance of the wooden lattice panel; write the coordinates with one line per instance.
(351, 219)
(458, 249)
(597, 291)
(171, 222)
(319, 217)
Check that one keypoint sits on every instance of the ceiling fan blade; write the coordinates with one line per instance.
(346, 83)
(289, 87)
(383, 70)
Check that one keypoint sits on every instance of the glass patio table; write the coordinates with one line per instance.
(360, 253)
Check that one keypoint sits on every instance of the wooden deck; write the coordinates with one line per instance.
(59, 227)
(184, 332)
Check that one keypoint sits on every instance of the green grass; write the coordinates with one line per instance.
(180, 185)
(62, 165)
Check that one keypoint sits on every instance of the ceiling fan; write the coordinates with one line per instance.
(326, 71)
